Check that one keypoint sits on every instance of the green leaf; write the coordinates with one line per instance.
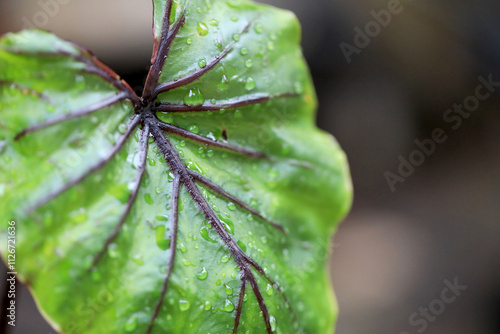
(204, 206)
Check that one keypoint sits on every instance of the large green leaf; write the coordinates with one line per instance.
(204, 206)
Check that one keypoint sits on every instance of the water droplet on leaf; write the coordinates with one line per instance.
(203, 274)
(202, 29)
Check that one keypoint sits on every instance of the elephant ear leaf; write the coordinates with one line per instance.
(203, 206)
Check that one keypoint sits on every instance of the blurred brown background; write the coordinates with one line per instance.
(398, 250)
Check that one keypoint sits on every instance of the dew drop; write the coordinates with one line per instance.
(194, 98)
(259, 28)
(224, 259)
(194, 129)
(183, 248)
(273, 323)
(113, 251)
(138, 260)
(207, 306)
(203, 274)
(218, 282)
(122, 128)
(202, 63)
(234, 18)
(202, 29)
(206, 236)
(184, 305)
(131, 324)
(270, 45)
(249, 63)
(148, 199)
(297, 88)
(250, 84)
(228, 289)
(152, 162)
(213, 22)
(269, 289)
(189, 41)
(231, 206)
(236, 37)
(242, 246)
(228, 306)
(244, 51)
(162, 241)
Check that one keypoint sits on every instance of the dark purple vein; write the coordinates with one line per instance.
(143, 149)
(200, 139)
(167, 37)
(193, 76)
(174, 214)
(219, 190)
(93, 66)
(74, 114)
(241, 297)
(176, 164)
(97, 166)
(262, 304)
(26, 90)
(208, 106)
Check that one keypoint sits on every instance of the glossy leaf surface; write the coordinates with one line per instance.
(204, 206)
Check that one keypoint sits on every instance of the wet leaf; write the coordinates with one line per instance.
(203, 206)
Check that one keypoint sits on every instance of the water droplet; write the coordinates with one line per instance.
(205, 235)
(162, 240)
(152, 162)
(250, 84)
(236, 37)
(224, 84)
(259, 28)
(113, 251)
(243, 51)
(138, 260)
(183, 248)
(148, 199)
(297, 88)
(202, 63)
(249, 63)
(202, 29)
(184, 305)
(242, 246)
(194, 129)
(122, 128)
(188, 263)
(228, 306)
(269, 289)
(207, 306)
(218, 282)
(228, 289)
(224, 259)
(273, 323)
(270, 45)
(213, 22)
(79, 216)
(194, 98)
(203, 274)
(189, 41)
(131, 324)
(234, 18)
(210, 153)
(228, 224)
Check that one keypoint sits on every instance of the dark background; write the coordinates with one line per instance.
(395, 251)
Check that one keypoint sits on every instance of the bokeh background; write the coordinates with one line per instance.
(397, 249)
